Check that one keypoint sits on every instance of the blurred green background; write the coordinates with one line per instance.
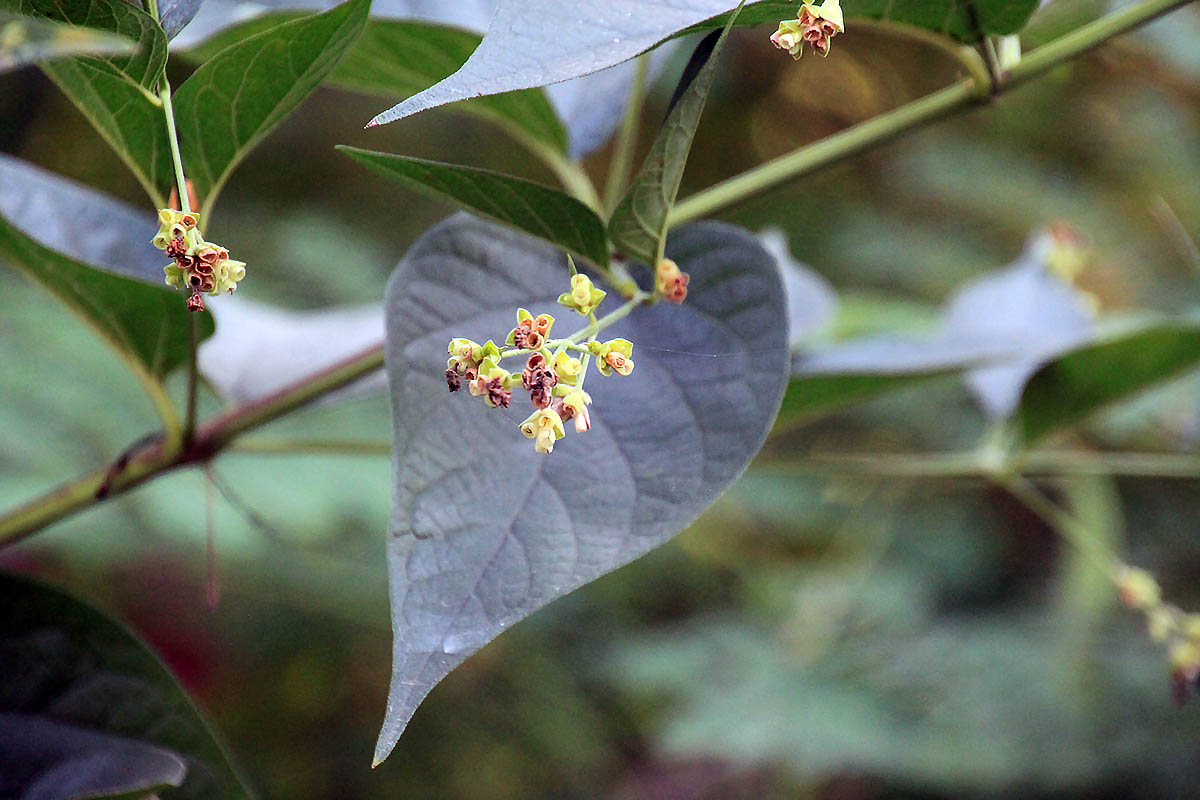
(812, 635)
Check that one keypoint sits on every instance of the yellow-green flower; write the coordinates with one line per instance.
(583, 297)
(545, 427)
(567, 368)
(577, 402)
(614, 355)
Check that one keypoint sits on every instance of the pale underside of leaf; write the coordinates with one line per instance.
(484, 530)
(532, 43)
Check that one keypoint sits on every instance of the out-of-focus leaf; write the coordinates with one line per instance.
(1071, 387)
(236, 98)
(45, 760)
(25, 40)
(484, 530)
(638, 225)
(115, 93)
(531, 43)
(46, 229)
(811, 301)
(530, 207)
(836, 378)
(965, 21)
(78, 673)
(259, 349)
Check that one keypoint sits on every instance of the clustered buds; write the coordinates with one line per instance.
(670, 281)
(554, 369)
(816, 25)
(1167, 624)
(200, 267)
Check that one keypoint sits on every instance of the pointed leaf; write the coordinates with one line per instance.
(532, 43)
(639, 223)
(530, 207)
(25, 40)
(148, 324)
(176, 14)
(236, 98)
(1070, 388)
(484, 530)
(79, 684)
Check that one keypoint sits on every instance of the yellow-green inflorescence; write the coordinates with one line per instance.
(554, 369)
(200, 267)
(1167, 624)
(816, 26)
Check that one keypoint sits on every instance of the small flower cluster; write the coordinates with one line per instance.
(670, 281)
(1167, 624)
(554, 370)
(200, 267)
(816, 25)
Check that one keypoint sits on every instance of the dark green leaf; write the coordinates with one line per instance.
(68, 667)
(148, 324)
(117, 94)
(965, 21)
(639, 223)
(484, 530)
(526, 206)
(24, 40)
(1070, 388)
(236, 98)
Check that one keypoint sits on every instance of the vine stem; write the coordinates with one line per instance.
(959, 96)
(155, 456)
(622, 158)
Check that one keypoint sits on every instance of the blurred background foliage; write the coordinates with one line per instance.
(812, 635)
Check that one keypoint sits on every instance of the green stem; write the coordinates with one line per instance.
(622, 159)
(259, 445)
(1066, 525)
(957, 97)
(974, 464)
(608, 319)
(156, 456)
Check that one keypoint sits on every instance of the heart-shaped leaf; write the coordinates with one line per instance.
(85, 694)
(1068, 389)
(94, 254)
(236, 98)
(115, 93)
(24, 40)
(484, 530)
(535, 209)
(639, 223)
(532, 43)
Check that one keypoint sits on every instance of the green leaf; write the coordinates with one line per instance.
(76, 683)
(524, 205)
(116, 94)
(809, 397)
(484, 530)
(639, 223)
(1067, 390)
(146, 324)
(965, 21)
(24, 40)
(236, 98)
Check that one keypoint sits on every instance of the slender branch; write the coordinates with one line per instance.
(1065, 524)
(957, 97)
(972, 465)
(157, 456)
(260, 445)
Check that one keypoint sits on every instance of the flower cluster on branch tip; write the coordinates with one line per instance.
(554, 370)
(816, 26)
(199, 267)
